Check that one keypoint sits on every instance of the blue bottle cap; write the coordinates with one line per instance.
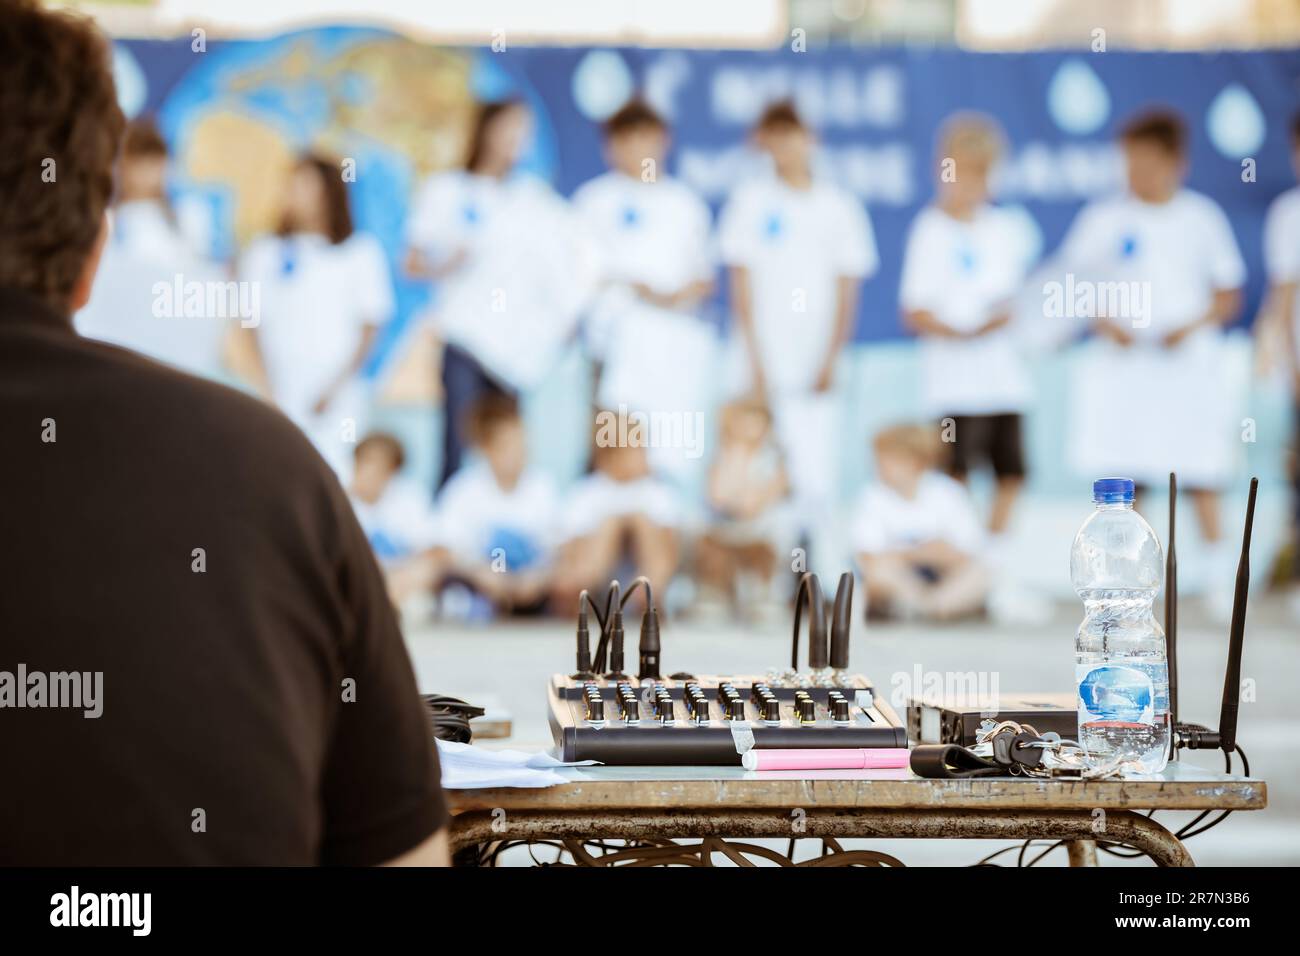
(1110, 491)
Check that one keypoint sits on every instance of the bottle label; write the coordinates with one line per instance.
(1114, 694)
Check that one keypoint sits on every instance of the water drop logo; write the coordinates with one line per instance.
(1077, 99)
(601, 84)
(1235, 122)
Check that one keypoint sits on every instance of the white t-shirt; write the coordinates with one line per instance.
(796, 244)
(1183, 248)
(477, 517)
(597, 497)
(401, 523)
(965, 272)
(317, 297)
(1282, 247)
(1146, 410)
(135, 303)
(655, 359)
(656, 234)
(514, 302)
(941, 511)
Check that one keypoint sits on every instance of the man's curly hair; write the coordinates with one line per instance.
(60, 127)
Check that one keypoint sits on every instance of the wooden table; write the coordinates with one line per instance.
(653, 806)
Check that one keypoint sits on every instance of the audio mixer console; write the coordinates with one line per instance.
(601, 713)
(691, 720)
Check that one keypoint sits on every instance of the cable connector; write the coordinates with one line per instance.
(616, 645)
(648, 646)
(584, 671)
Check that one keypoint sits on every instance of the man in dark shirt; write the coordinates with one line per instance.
(198, 661)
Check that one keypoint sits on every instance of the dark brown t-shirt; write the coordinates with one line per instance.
(186, 542)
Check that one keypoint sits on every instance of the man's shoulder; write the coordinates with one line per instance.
(176, 410)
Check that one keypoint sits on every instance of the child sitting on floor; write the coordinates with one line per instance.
(618, 519)
(396, 515)
(916, 534)
(498, 514)
(736, 558)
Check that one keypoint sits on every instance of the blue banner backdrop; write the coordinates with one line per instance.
(231, 110)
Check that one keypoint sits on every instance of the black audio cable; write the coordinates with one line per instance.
(648, 647)
(810, 591)
(450, 717)
(1187, 831)
(611, 629)
(602, 646)
(584, 671)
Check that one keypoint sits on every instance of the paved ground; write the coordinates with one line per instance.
(510, 664)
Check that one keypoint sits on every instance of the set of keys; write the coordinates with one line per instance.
(1023, 751)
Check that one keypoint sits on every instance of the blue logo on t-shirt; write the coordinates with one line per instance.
(517, 549)
(773, 227)
(631, 217)
(469, 212)
(966, 259)
(1128, 246)
(387, 548)
(288, 259)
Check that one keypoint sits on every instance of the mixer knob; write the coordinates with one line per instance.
(631, 711)
(735, 709)
(771, 710)
(596, 710)
(807, 710)
(840, 710)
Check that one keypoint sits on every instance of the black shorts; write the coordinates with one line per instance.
(992, 438)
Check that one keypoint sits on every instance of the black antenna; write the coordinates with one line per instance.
(810, 591)
(1236, 634)
(1194, 736)
(1171, 604)
(842, 622)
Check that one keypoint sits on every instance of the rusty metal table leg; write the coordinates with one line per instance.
(1082, 852)
(1122, 826)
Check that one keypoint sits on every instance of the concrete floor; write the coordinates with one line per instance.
(508, 665)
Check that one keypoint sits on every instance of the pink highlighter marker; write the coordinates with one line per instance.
(882, 758)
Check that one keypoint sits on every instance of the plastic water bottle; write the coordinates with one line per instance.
(1121, 674)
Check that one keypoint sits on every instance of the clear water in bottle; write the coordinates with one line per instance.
(1121, 674)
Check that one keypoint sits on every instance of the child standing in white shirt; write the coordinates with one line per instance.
(1282, 260)
(1154, 399)
(325, 291)
(644, 327)
(797, 249)
(508, 267)
(965, 261)
(147, 250)
(916, 534)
